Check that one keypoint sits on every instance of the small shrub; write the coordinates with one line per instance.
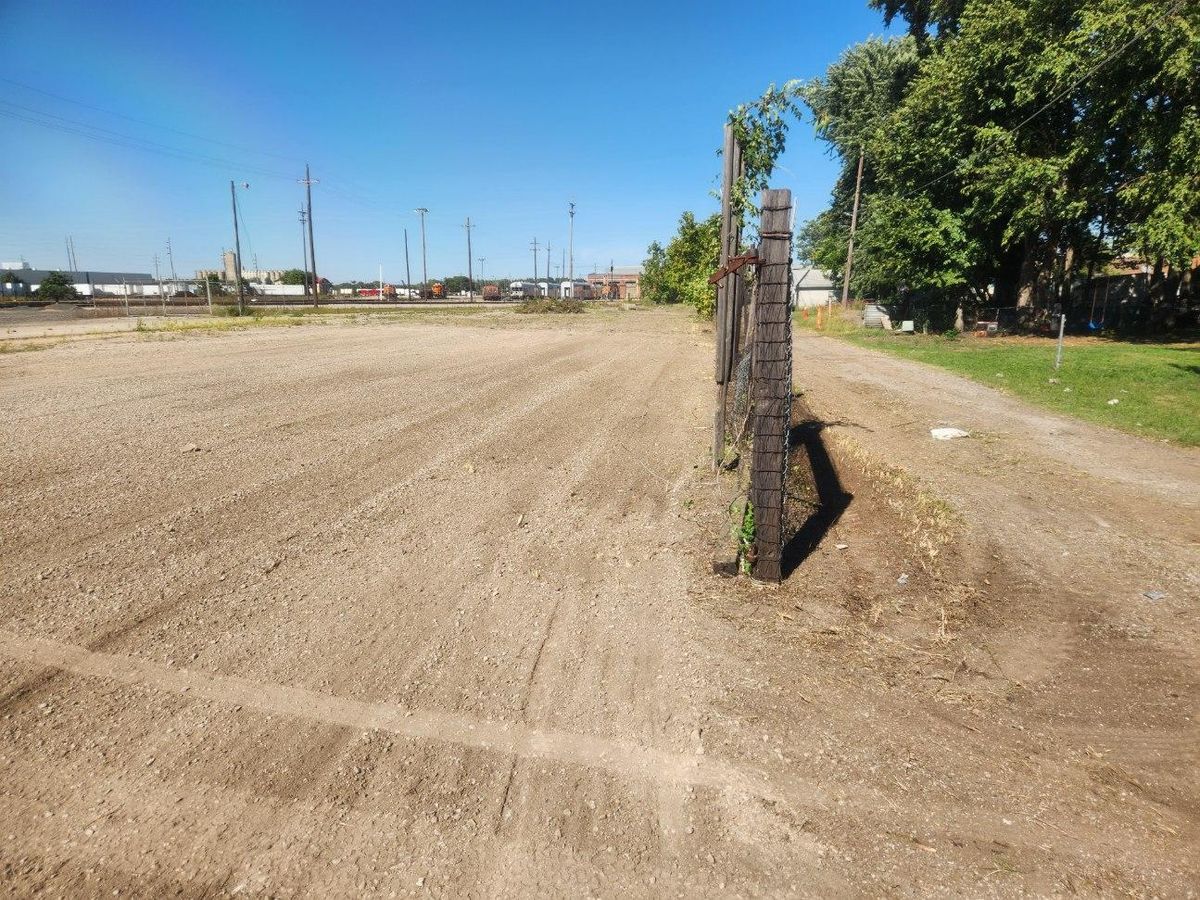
(551, 305)
(950, 334)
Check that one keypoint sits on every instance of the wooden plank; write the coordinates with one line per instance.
(771, 388)
(723, 361)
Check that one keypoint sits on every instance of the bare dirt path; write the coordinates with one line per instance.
(417, 608)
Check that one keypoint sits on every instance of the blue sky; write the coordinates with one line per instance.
(501, 112)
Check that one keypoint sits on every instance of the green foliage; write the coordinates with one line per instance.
(295, 276)
(56, 286)
(1012, 143)
(679, 272)
(743, 533)
(551, 305)
(761, 131)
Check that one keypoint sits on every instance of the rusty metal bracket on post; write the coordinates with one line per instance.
(735, 263)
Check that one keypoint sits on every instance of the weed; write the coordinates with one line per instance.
(743, 532)
(551, 305)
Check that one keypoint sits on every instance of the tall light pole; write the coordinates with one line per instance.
(308, 182)
(421, 211)
(470, 274)
(481, 260)
(534, 247)
(407, 271)
(237, 247)
(571, 270)
(171, 259)
(158, 280)
(304, 248)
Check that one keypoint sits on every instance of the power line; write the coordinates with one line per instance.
(160, 127)
(116, 138)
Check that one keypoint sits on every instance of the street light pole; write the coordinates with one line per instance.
(308, 182)
(571, 255)
(304, 248)
(470, 274)
(407, 270)
(237, 250)
(424, 260)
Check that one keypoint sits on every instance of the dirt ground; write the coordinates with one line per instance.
(428, 608)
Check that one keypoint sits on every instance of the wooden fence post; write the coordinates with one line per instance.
(771, 383)
(720, 314)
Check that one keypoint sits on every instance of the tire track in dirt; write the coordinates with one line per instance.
(623, 759)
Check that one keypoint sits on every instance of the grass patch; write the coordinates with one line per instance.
(551, 305)
(1157, 386)
(26, 347)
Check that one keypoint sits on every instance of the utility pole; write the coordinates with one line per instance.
(407, 271)
(308, 182)
(237, 251)
(571, 271)
(547, 268)
(381, 282)
(162, 298)
(853, 228)
(304, 248)
(470, 274)
(70, 256)
(424, 261)
(481, 260)
(534, 248)
(171, 257)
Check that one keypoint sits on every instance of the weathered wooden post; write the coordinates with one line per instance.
(721, 313)
(771, 383)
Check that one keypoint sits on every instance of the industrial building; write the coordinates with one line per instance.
(228, 271)
(21, 280)
(618, 283)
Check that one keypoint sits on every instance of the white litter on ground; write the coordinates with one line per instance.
(948, 434)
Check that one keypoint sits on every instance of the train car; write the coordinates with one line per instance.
(549, 289)
(577, 290)
(522, 289)
(491, 292)
(389, 292)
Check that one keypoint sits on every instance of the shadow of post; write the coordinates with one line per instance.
(832, 498)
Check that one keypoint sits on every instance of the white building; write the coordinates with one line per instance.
(811, 287)
(24, 280)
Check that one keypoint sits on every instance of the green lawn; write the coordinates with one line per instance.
(1158, 385)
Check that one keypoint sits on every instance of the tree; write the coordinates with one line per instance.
(56, 286)
(679, 272)
(295, 276)
(1030, 139)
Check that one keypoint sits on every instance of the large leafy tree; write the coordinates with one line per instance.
(1033, 139)
(295, 276)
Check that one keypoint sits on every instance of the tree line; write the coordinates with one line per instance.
(1009, 149)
